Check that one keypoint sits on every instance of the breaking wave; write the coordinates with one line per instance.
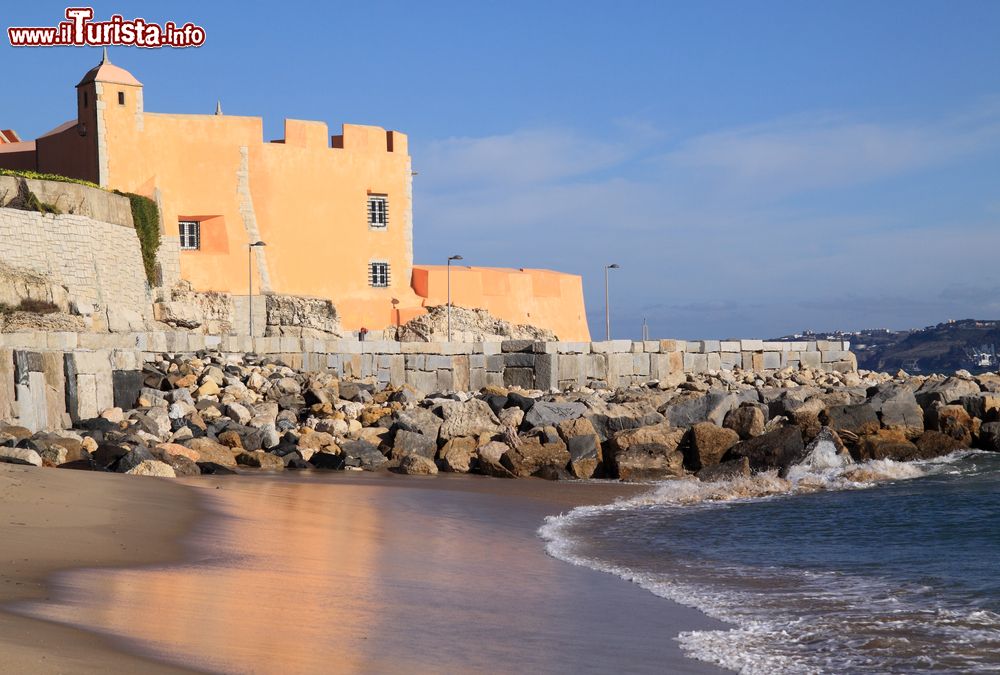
(772, 557)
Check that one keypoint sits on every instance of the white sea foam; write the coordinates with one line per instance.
(766, 638)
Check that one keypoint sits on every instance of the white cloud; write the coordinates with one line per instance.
(719, 221)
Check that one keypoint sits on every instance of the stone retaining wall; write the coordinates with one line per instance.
(49, 379)
(72, 198)
(99, 263)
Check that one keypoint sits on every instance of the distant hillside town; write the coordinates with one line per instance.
(965, 344)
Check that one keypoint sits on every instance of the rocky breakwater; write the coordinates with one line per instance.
(223, 414)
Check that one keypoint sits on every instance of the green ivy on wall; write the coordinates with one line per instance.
(146, 217)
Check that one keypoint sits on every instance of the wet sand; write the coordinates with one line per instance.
(52, 520)
(374, 573)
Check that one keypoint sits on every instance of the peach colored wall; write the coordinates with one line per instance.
(310, 203)
(542, 298)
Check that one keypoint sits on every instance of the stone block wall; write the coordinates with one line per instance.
(48, 379)
(99, 263)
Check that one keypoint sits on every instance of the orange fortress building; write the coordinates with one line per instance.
(336, 212)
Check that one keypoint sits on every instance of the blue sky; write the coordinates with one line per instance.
(756, 168)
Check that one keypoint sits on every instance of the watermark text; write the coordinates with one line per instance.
(80, 30)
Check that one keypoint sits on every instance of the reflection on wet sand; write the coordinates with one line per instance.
(334, 576)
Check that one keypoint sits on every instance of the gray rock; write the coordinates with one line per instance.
(692, 408)
(412, 443)
(134, 458)
(949, 390)
(363, 454)
(545, 414)
(859, 419)
(238, 413)
(470, 418)
(585, 455)
(419, 420)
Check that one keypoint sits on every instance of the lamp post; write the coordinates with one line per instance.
(607, 306)
(450, 258)
(250, 248)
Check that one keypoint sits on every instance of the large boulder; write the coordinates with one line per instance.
(531, 455)
(469, 418)
(106, 455)
(134, 458)
(182, 466)
(936, 444)
(25, 456)
(954, 421)
(693, 407)
(363, 455)
(419, 420)
(211, 452)
(413, 443)
(546, 414)
(457, 454)
(747, 421)
(948, 390)
(858, 419)
(726, 471)
(334, 461)
(777, 449)
(417, 465)
(259, 459)
(489, 460)
(585, 456)
(647, 453)
(897, 408)
(885, 444)
(707, 443)
(985, 406)
(152, 467)
(989, 436)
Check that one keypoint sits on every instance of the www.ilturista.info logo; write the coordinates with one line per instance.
(80, 31)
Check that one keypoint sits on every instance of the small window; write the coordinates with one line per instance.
(378, 212)
(190, 231)
(84, 99)
(378, 274)
(121, 98)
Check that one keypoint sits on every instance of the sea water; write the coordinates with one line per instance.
(838, 567)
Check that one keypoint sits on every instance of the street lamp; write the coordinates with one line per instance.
(250, 247)
(450, 258)
(607, 306)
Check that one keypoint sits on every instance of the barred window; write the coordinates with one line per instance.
(378, 211)
(378, 274)
(190, 231)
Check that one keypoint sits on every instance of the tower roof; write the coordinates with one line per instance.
(105, 71)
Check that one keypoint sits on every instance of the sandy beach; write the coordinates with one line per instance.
(315, 573)
(57, 520)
